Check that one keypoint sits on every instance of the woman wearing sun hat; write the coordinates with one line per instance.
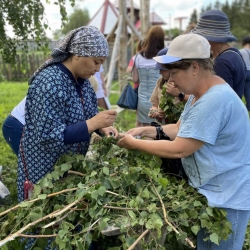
(213, 147)
(228, 62)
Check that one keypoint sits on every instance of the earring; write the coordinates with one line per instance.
(194, 76)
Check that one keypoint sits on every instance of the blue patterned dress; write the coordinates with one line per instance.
(55, 103)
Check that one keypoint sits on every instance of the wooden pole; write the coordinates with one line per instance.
(114, 55)
(132, 17)
(122, 62)
(144, 17)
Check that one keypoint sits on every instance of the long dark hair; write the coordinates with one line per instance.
(153, 43)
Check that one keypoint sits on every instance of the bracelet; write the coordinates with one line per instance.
(160, 135)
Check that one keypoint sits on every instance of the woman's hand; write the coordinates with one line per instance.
(171, 89)
(103, 119)
(153, 112)
(109, 131)
(126, 141)
(161, 113)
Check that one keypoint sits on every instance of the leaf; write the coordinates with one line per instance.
(197, 204)
(105, 170)
(195, 229)
(65, 167)
(101, 190)
(209, 211)
(61, 233)
(214, 238)
(42, 196)
(60, 242)
(94, 194)
(24, 204)
(132, 214)
(163, 182)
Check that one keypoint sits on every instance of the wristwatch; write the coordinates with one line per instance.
(181, 96)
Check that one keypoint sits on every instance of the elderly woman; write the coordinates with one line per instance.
(228, 62)
(61, 106)
(212, 136)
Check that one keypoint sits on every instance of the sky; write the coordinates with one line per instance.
(166, 9)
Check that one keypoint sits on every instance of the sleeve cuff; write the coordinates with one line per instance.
(76, 133)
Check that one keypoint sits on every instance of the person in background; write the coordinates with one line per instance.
(213, 147)
(228, 62)
(132, 60)
(155, 111)
(245, 52)
(101, 92)
(13, 125)
(129, 70)
(144, 72)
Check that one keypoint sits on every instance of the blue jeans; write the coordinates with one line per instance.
(247, 90)
(12, 132)
(239, 220)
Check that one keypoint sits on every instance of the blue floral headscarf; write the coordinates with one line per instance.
(86, 41)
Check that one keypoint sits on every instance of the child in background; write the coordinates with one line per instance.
(155, 111)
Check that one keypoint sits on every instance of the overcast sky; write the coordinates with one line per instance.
(166, 9)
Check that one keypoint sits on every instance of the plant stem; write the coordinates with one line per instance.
(137, 241)
(165, 215)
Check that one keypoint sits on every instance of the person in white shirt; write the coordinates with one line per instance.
(13, 126)
(101, 92)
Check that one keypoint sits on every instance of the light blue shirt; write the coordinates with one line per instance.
(220, 169)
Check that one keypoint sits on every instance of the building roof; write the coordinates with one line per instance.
(136, 7)
(155, 19)
(105, 18)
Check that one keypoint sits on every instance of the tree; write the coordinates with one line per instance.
(193, 18)
(77, 19)
(27, 21)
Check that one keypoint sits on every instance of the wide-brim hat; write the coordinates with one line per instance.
(188, 46)
(162, 52)
(214, 26)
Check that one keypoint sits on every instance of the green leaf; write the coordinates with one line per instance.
(61, 233)
(209, 211)
(214, 238)
(101, 190)
(66, 167)
(132, 214)
(105, 170)
(42, 196)
(197, 204)
(24, 204)
(195, 229)
(163, 182)
(94, 194)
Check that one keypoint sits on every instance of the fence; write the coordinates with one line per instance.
(25, 66)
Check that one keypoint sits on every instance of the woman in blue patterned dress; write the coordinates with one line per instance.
(61, 107)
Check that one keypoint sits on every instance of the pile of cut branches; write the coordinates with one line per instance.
(111, 193)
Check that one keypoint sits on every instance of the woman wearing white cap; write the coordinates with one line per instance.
(214, 147)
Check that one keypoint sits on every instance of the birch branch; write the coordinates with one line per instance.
(165, 216)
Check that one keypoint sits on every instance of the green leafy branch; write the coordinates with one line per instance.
(171, 110)
(112, 192)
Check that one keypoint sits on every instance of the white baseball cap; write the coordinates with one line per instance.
(188, 46)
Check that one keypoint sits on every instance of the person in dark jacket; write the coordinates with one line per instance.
(228, 62)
